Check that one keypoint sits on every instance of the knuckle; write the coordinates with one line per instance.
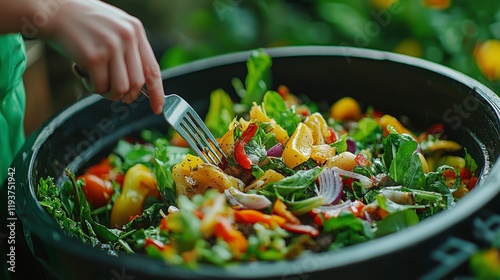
(100, 87)
(112, 44)
(120, 91)
(152, 72)
(136, 24)
(127, 33)
(96, 57)
(137, 83)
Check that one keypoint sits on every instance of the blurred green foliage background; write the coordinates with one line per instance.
(444, 31)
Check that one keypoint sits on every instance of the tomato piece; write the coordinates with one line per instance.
(318, 219)
(348, 182)
(304, 111)
(177, 140)
(164, 223)
(437, 128)
(283, 91)
(449, 173)
(465, 174)
(356, 208)
(472, 183)
(361, 160)
(97, 190)
(377, 114)
(332, 138)
(102, 170)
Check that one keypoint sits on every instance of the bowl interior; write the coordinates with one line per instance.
(424, 92)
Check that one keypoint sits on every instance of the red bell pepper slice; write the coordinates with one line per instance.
(156, 243)
(239, 148)
(225, 230)
(301, 229)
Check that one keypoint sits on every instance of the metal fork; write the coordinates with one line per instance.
(184, 119)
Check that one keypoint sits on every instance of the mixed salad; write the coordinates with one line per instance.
(297, 179)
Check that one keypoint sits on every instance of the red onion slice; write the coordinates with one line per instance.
(351, 145)
(365, 181)
(275, 151)
(330, 186)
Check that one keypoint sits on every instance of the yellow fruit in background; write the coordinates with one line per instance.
(437, 4)
(346, 108)
(386, 120)
(410, 47)
(487, 57)
(382, 4)
(298, 148)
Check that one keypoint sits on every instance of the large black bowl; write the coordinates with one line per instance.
(400, 85)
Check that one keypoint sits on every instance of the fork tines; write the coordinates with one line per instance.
(184, 119)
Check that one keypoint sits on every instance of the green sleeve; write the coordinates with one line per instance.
(12, 99)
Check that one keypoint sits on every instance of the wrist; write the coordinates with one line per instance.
(40, 18)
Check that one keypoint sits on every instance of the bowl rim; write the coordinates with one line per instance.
(410, 237)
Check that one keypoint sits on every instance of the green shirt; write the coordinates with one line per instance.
(12, 99)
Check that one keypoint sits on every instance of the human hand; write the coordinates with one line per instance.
(111, 46)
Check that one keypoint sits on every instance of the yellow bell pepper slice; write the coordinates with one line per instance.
(138, 184)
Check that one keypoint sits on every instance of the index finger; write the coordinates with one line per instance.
(152, 75)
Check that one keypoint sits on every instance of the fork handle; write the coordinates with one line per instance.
(82, 74)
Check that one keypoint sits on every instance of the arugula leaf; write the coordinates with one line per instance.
(165, 157)
(150, 135)
(296, 182)
(102, 232)
(275, 108)
(47, 194)
(470, 163)
(391, 145)
(405, 166)
(277, 165)
(366, 129)
(220, 112)
(396, 222)
(341, 144)
(150, 216)
(258, 78)
(393, 207)
(347, 230)
(128, 155)
(296, 191)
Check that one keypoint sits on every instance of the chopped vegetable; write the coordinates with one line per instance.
(296, 180)
(139, 183)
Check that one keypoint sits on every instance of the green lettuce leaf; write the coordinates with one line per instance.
(275, 108)
(396, 222)
(220, 112)
(258, 79)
